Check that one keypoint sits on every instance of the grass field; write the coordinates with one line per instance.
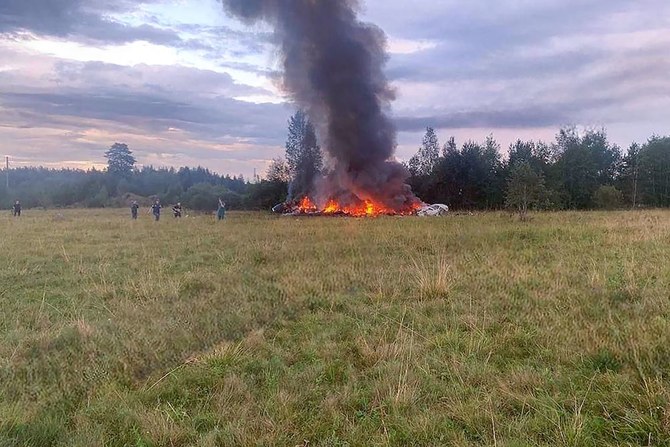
(277, 331)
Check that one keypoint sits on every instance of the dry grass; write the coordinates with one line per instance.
(433, 279)
(465, 330)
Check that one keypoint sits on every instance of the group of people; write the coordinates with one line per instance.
(176, 210)
(155, 210)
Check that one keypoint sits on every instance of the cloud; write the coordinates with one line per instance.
(513, 67)
(46, 130)
(74, 110)
(214, 119)
(250, 40)
(180, 96)
(524, 65)
(58, 109)
(482, 24)
(172, 80)
(514, 118)
(79, 19)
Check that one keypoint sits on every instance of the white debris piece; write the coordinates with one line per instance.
(436, 209)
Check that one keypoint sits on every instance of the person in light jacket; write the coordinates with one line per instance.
(221, 211)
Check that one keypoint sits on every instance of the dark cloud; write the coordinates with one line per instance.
(221, 117)
(92, 21)
(174, 80)
(80, 19)
(443, 64)
(516, 118)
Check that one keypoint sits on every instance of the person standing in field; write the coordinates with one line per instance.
(156, 210)
(17, 209)
(133, 209)
(221, 211)
(176, 210)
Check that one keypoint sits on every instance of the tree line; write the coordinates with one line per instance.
(579, 170)
(196, 188)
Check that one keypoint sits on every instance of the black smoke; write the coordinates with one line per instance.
(333, 68)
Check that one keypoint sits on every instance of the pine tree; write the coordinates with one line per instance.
(303, 154)
(120, 160)
(449, 147)
(429, 152)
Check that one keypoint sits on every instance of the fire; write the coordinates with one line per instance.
(307, 206)
(366, 208)
(331, 207)
(369, 208)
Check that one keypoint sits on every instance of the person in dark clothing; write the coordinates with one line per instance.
(17, 209)
(156, 210)
(221, 211)
(133, 209)
(176, 210)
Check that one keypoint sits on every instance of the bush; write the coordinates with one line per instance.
(99, 200)
(266, 194)
(608, 198)
(203, 197)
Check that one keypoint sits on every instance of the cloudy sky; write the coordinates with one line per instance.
(183, 84)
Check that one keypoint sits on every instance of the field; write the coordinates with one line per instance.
(276, 331)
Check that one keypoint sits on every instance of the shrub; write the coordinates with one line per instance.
(608, 198)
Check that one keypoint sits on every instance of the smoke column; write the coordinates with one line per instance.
(333, 69)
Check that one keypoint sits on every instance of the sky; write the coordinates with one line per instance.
(183, 84)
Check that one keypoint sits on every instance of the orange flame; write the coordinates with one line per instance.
(307, 206)
(331, 207)
(365, 208)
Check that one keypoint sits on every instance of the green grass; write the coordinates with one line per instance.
(277, 331)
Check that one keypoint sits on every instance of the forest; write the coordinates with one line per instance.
(579, 170)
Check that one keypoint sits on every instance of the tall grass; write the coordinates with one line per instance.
(263, 330)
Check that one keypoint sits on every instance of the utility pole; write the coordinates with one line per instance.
(635, 185)
(7, 171)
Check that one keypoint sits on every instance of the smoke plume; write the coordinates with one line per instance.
(333, 69)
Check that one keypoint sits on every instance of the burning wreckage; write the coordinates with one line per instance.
(333, 69)
(368, 208)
